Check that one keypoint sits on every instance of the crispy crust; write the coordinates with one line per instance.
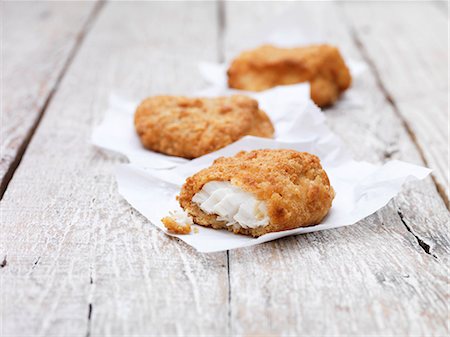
(268, 66)
(191, 127)
(175, 227)
(293, 184)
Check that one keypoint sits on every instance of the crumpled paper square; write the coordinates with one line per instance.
(361, 188)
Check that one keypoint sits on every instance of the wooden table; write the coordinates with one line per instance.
(77, 260)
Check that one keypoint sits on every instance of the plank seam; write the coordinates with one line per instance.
(27, 140)
(440, 189)
(221, 27)
(390, 100)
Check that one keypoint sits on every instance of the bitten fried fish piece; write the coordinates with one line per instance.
(258, 192)
(268, 66)
(191, 127)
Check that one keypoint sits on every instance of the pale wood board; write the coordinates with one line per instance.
(75, 249)
(37, 39)
(372, 278)
(80, 261)
(411, 60)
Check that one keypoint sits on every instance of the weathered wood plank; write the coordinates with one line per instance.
(373, 278)
(407, 45)
(74, 249)
(80, 261)
(38, 41)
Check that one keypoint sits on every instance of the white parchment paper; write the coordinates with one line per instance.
(287, 107)
(361, 188)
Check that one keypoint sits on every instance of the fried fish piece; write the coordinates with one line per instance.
(268, 66)
(258, 192)
(191, 127)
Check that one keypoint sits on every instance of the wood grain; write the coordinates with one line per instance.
(80, 260)
(38, 40)
(411, 60)
(373, 278)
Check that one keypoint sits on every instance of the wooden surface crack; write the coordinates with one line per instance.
(88, 332)
(440, 189)
(90, 306)
(221, 27)
(34, 266)
(229, 292)
(22, 148)
(36, 262)
(425, 246)
(4, 262)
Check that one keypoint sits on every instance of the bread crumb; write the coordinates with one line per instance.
(175, 227)
(195, 230)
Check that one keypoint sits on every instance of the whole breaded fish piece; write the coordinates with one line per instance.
(268, 66)
(191, 127)
(258, 192)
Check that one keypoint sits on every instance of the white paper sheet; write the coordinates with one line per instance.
(361, 189)
(287, 107)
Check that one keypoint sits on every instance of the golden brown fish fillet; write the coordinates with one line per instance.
(292, 185)
(191, 127)
(268, 66)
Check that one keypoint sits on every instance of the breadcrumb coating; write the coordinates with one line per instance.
(268, 66)
(191, 127)
(293, 185)
(175, 227)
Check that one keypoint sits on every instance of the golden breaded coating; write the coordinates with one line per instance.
(175, 227)
(191, 127)
(293, 185)
(268, 66)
